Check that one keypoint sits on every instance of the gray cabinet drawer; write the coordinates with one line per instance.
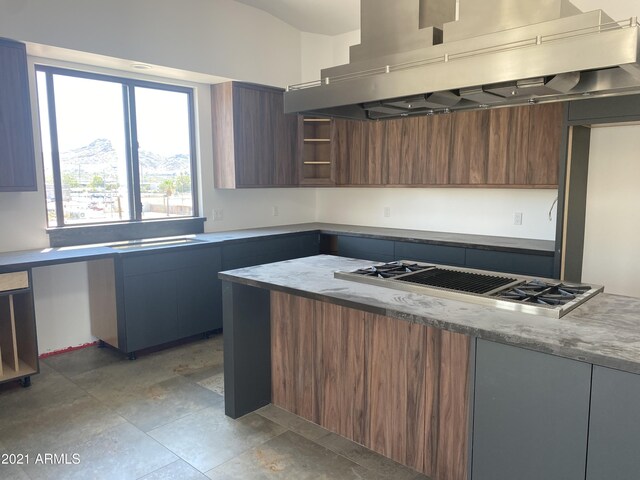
(366, 248)
(510, 262)
(423, 252)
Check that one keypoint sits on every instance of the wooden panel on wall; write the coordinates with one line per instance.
(406, 151)
(253, 137)
(285, 142)
(469, 148)
(348, 152)
(438, 149)
(222, 126)
(508, 146)
(545, 139)
(398, 388)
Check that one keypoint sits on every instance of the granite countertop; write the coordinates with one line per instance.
(604, 331)
(51, 256)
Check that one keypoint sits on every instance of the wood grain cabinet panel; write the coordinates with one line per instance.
(469, 148)
(398, 388)
(406, 151)
(255, 143)
(17, 158)
(545, 141)
(508, 157)
(348, 152)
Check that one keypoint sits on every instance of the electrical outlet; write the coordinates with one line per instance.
(218, 214)
(275, 211)
(386, 212)
(517, 218)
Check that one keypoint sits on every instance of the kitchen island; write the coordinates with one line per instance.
(449, 388)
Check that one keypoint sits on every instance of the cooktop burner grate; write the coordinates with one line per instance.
(456, 280)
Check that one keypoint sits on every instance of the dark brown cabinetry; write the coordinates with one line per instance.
(508, 146)
(17, 158)
(469, 148)
(254, 142)
(418, 150)
(545, 141)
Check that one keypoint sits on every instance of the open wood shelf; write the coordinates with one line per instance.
(315, 167)
(10, 373)
(18, 345)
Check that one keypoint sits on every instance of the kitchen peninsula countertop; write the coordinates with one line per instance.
(51, 256)
(603, 331)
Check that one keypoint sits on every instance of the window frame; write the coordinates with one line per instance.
(131, 146)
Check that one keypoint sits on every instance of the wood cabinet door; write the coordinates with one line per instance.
(17, 158)
(438, 149)
(348, 152)
(406, 151)
(508, 146)
(545, 140)
(285, 142)
(469, 148)
(253, 137)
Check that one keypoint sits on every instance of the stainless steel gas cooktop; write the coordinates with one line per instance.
(516, 293)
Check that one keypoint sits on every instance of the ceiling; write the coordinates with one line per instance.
(328, 17)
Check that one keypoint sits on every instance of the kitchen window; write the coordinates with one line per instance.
(116, 150)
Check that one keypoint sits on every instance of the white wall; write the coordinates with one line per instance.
(612, 229)
(217, 37)
(459, 210)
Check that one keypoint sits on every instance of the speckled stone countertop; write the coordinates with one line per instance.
(605, 330)
(52, 256)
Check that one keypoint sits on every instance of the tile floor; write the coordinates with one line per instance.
(162, 417)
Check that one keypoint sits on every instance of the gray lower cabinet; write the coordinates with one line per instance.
(166, 296)
(424, 252)
(375, 249)
(614, 428)
(510, 262)
(531, 414)
(267, 250)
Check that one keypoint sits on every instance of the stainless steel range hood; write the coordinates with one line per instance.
(436, 56)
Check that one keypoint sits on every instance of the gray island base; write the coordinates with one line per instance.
(451, 389)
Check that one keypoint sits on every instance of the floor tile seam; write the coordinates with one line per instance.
(368, 468)
(159, 468)
(244, 451)
(92, 391)
(179, 457)
(173, 420)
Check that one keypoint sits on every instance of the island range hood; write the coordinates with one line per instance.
(437, 56)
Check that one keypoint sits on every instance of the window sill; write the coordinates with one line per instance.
(114, 232)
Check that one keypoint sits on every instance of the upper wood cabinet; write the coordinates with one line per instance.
(357, 152)
(254, 142)
(524, 145)
(508, 146)
(417, 150)
(17, 158)
(469, 148)
(545, 142)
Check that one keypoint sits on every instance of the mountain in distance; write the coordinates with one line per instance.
(100, 153)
